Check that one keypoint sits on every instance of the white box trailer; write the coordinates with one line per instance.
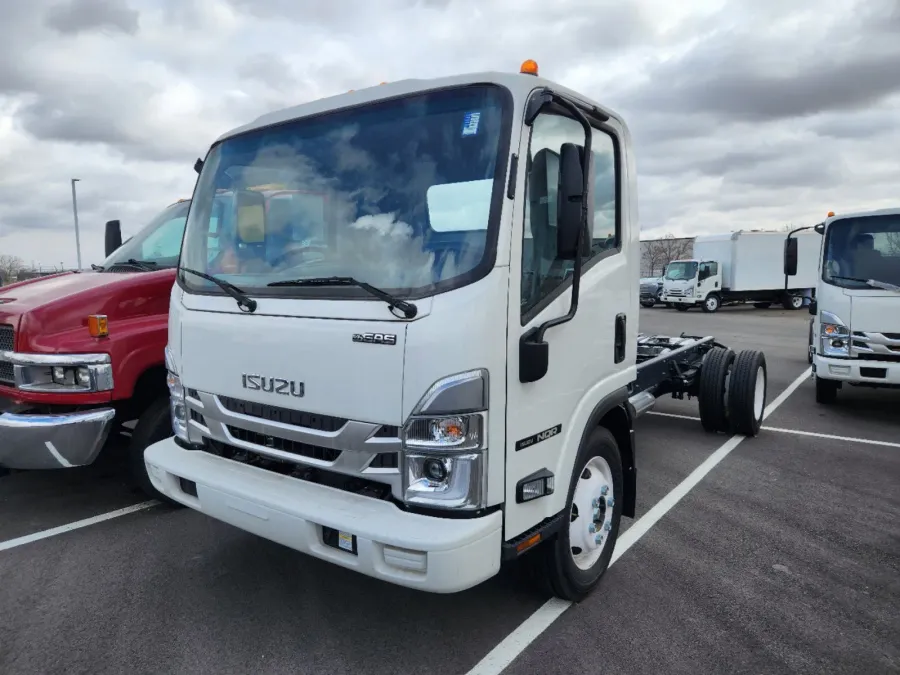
(742, 267)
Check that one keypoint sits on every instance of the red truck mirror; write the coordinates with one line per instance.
(113, 236)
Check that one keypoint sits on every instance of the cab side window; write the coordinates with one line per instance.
(542, 272)
(708, 269)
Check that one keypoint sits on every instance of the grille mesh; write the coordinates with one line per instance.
(7, 342)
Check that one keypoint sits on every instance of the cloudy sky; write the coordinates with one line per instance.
(745, 113)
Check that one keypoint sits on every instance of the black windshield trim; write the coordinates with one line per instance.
(498, 198)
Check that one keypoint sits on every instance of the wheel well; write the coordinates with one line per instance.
(618, 422)
(150, 385)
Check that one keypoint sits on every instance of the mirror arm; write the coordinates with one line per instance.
(585, 187)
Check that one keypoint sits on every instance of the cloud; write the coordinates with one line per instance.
(77, 16)
(744, 113)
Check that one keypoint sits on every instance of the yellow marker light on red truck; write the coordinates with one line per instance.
(98, 325)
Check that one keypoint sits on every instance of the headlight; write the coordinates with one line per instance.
(176, 398)
(834, 336)
(689, 292)
(62, 373)
(444, 444)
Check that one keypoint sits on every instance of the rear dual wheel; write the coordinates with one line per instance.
(732, 391)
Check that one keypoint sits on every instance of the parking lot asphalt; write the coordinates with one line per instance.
(783, 558)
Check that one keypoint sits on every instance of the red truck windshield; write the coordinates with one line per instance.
(157, 245)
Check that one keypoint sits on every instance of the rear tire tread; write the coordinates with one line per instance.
(711, 394)
(742, 392)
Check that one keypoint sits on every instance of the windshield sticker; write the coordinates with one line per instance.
(470, 123)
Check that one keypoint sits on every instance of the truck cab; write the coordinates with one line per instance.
(855, 329)
(693, 282)
(432, 368)
(83, 352)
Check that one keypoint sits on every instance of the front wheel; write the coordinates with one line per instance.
(648, 303)
(792, 302)
(826, 391)
(575, 560)
(154, 425)
(711, 304)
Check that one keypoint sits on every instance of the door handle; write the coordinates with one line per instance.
(619, 343)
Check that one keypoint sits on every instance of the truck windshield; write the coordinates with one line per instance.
(677, 271)
(859, 250)
(401, 194)
(158, 244)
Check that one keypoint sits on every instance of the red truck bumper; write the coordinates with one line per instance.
(36, 440)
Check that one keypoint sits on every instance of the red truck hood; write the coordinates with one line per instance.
(50, 313)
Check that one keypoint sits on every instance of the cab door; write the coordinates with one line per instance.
(589, 356)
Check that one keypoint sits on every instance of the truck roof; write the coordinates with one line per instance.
(744, 233)
(894, 211)
(520, 85)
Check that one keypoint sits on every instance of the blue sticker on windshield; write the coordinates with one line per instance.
(470, 123)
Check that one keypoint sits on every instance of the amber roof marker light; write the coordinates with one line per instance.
(529, 67)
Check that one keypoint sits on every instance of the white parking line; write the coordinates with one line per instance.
(798, 432)
(516, 642)
(77, 525)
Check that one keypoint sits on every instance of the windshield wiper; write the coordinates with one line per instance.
(244, 301)
(97, 268)
(409, 310)
(148, 265)
(872, 283)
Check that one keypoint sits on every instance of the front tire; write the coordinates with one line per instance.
(575, 560)
(711, 304)
(792, 302)
(810, 349)
(155, 424)
(826, 391)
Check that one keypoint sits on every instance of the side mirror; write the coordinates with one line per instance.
(569, 204)
(198, 165)
(813, 307)
(113, 236)
(790, 256)
(820, 228)
(534, 357)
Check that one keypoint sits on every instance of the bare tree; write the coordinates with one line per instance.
(10, 265)
(657, 253)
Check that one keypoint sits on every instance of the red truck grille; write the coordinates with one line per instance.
(7, 342)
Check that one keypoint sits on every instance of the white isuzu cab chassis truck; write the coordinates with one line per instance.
(417, 354)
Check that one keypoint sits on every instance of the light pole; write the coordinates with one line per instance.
(75, 214)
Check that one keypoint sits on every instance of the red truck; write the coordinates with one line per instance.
(82, 353)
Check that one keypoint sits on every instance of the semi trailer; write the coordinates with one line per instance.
(445, 377)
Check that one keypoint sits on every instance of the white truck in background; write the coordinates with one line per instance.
(741, 267)
(434, 366)
(854, 335)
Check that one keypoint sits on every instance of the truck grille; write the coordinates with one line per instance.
(676, 293)
(7, 343)
(297, 442)
(876, 346)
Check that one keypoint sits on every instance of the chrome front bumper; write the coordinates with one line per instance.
(36, 441)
